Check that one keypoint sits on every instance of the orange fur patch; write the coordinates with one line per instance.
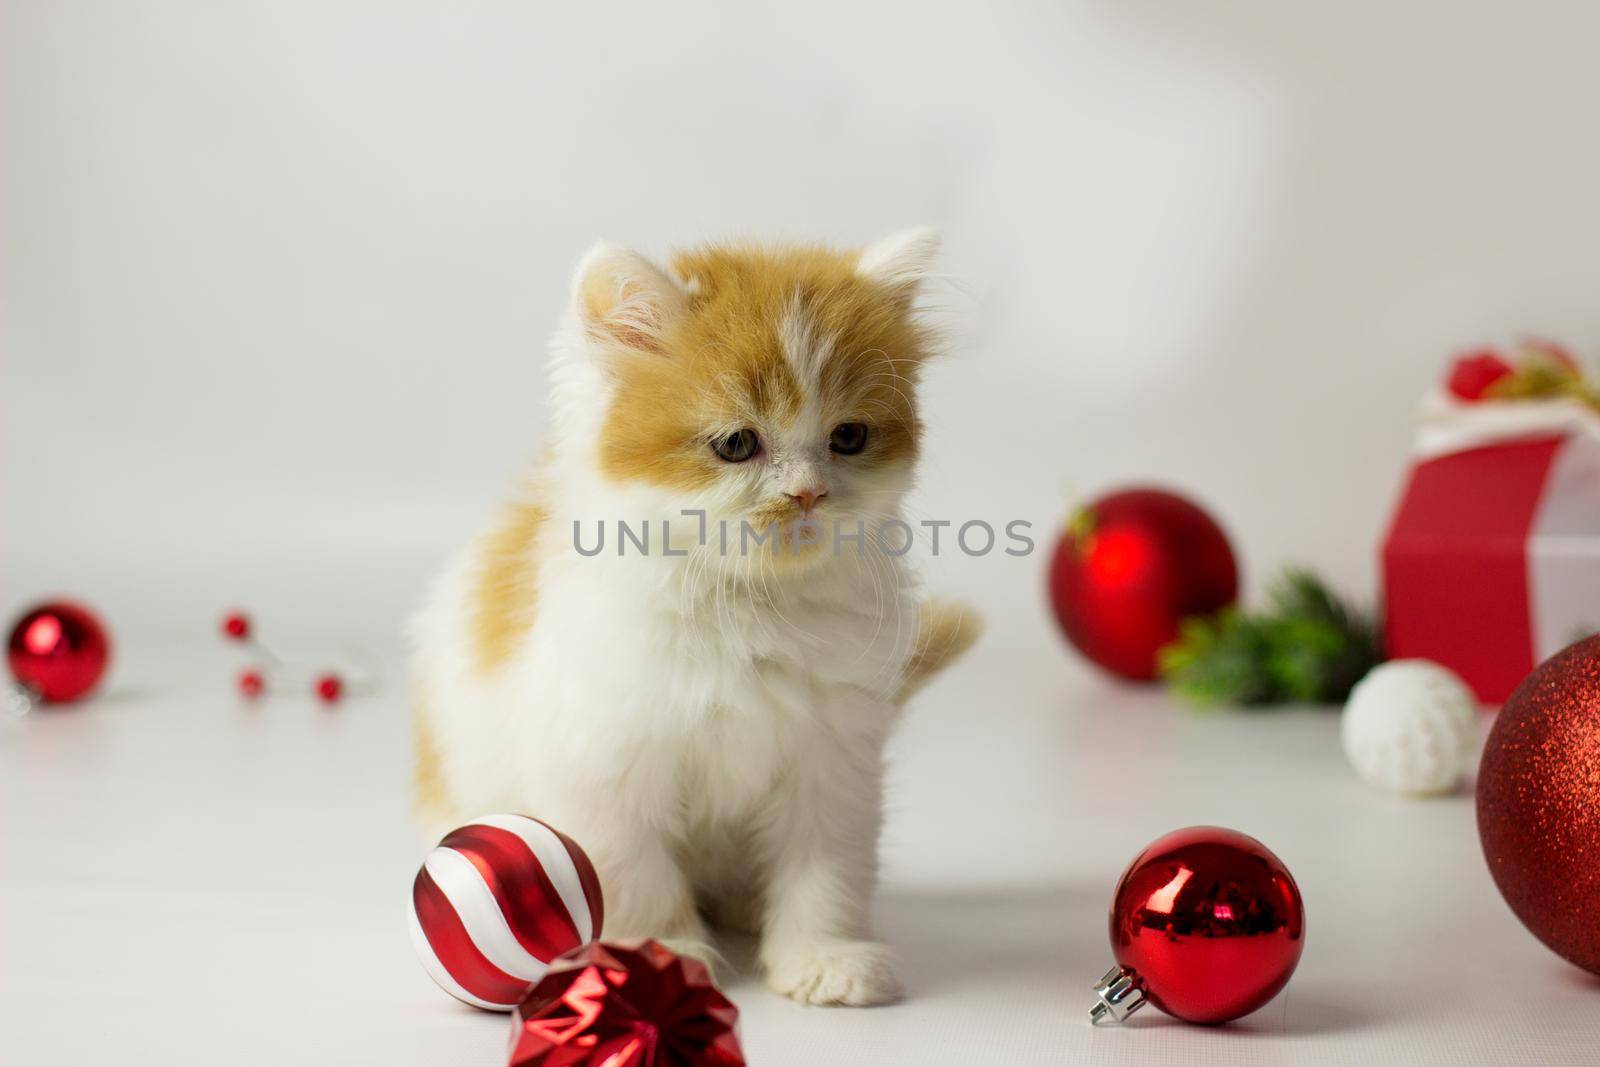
(722, 364)
(430, 800)
(505, 585)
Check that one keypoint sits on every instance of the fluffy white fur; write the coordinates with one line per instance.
(711, 730)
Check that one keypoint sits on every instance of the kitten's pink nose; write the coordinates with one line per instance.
(807, 498)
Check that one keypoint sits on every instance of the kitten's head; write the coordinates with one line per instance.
(763, 385)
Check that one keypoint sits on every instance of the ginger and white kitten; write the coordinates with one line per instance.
(709, 724)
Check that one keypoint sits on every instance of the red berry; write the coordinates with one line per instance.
(236, 626)
(251, 683)
(330, 687)
(1473, 373)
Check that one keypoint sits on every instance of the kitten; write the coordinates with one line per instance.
(707, 717)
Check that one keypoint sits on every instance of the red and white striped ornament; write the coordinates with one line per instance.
(497, 902)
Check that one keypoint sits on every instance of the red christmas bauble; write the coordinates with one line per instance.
(58, 651)
(625, 1004)
(1539, 803)
(1206, 924)
(1130, 568)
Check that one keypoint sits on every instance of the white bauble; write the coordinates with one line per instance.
(1411, 726)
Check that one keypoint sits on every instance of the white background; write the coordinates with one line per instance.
(277, 280)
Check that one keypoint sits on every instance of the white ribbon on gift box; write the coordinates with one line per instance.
(1563, 546)
(1446, 424)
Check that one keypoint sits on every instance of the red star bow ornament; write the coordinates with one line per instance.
(625, 1004)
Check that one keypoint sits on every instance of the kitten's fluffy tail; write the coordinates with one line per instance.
(944, 631)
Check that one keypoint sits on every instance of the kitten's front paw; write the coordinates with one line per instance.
(855, 973)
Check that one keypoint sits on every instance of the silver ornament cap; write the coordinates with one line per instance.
(1120, 996)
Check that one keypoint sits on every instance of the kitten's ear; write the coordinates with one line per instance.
(622, 298)
(901, 260)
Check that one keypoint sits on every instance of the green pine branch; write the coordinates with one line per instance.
(1308, 647)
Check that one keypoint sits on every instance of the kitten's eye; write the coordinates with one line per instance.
(737, 446)
(848, 438)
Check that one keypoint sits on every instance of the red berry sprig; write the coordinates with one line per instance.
(328, 686)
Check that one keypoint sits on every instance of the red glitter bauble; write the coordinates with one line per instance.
(1539, 803)
(1206, 924)
(236, 626)
(1130, 568)
(58, 651)
(625, 1004)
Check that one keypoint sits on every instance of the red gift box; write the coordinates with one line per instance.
(1492, 561)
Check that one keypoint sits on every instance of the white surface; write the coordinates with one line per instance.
(188, 880)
